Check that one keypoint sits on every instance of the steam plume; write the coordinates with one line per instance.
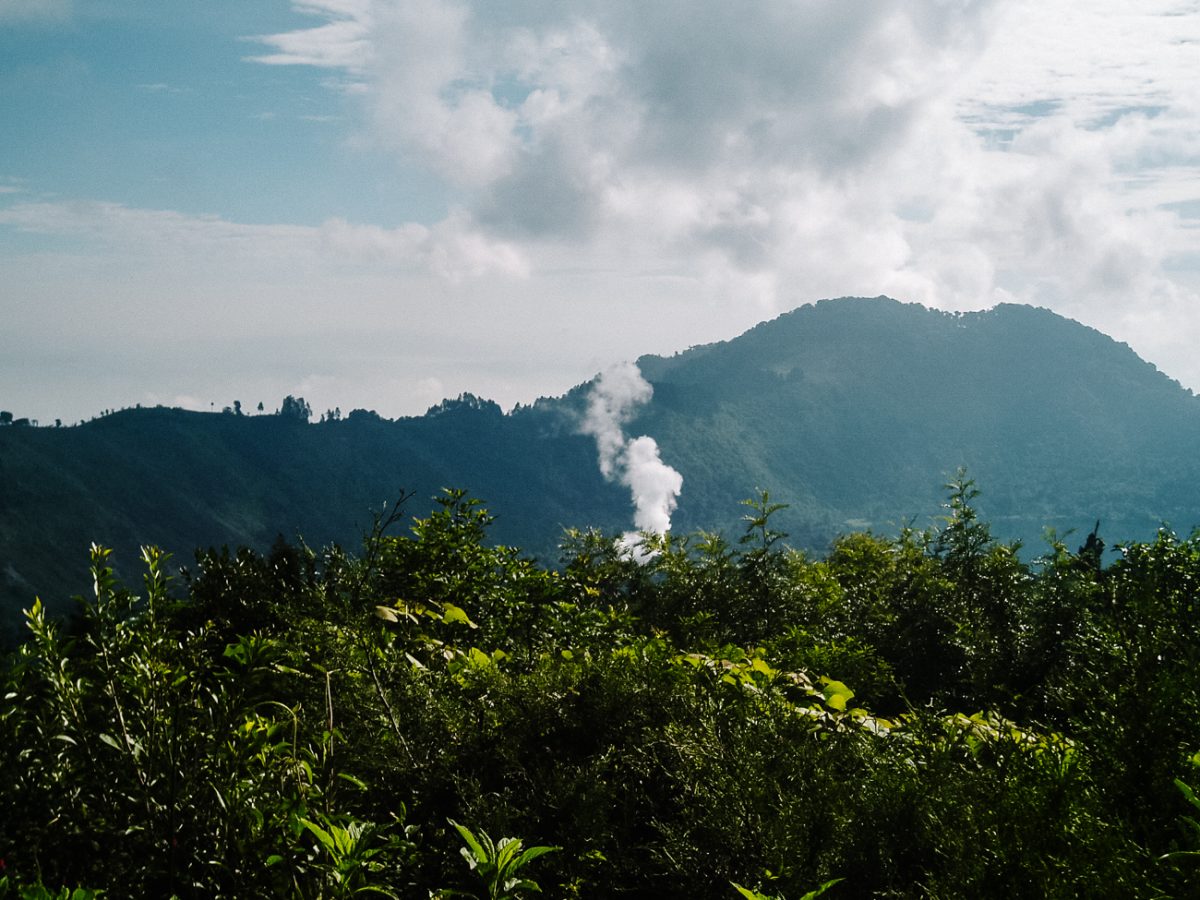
(653, 485)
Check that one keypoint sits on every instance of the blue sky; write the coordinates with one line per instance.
(378, 203)
(155, 106)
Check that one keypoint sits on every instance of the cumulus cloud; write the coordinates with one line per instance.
(634, 177)
(487, 94)
(954, 153)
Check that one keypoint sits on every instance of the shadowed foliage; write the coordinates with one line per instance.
(919, 715)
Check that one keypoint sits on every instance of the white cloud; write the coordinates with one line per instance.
(454, 249)
(1087, 59)
(340, 43)
(955, 153)
(634, 177)
(787, 151)
(203, 307)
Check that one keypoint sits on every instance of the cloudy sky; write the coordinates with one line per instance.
(379, 203)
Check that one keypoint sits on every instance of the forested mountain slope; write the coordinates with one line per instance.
(853, 411)
(856, 412)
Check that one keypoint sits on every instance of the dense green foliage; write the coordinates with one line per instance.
(924, 715)
(854, 409)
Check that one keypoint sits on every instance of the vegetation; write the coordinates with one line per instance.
(925, 715)
(855, 410)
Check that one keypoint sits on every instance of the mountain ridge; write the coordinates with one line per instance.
(854, 411)
(958, 391)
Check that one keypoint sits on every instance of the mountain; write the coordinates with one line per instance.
(853, 411)
(857, 412)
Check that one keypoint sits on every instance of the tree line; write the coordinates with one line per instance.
(919, 715)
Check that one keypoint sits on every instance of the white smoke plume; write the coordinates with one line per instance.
(653, 485)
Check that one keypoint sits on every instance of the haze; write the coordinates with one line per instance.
(377, 204)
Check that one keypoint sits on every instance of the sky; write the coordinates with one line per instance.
(380, 203)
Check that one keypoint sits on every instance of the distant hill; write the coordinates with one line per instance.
(854, 411)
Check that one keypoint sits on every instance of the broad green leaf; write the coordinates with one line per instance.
(479, 658)
(1188, 793)
(748, 893)
(357, 782)
(454, 615)
(321, 834)
(533, 853)
(836, 694)
(471, 841)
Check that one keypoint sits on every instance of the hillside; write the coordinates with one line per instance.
(184, 480)
(854, 411)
